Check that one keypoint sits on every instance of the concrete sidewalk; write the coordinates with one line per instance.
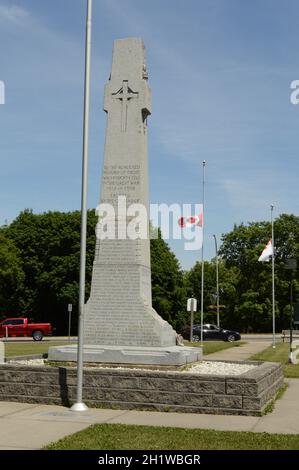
(24, 426)
(239, 353)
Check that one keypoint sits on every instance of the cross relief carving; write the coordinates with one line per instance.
(125, 94)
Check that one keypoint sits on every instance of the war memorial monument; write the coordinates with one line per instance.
(121, 325)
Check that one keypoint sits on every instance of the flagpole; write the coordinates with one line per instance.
(79, 405)
(202, 253)
(217, 281)
(273, 279)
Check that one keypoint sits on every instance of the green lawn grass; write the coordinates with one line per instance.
(121, 437)
(30, 348)
(279, 354)
(210, 347)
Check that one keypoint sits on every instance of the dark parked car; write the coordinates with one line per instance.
(210, 332)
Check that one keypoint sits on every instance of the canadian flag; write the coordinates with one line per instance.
(267, 252)
(192, 221)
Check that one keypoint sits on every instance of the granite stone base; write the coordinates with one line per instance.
(160, 390)
(167, 356)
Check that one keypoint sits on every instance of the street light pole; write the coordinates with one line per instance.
(217, 281)
(79, 405)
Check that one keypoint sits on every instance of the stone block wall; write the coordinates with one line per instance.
(246, 394)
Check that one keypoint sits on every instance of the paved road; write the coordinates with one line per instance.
(261, 337)
(245, 337)
(48, 339)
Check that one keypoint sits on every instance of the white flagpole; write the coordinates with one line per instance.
(217, 281)
(202, 253)
(79, 405)
(273, 279)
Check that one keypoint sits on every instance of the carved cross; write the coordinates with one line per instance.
(125, 94)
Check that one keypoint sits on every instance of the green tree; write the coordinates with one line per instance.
(168, 290)
(49, 245)
(11, 277)
(228, 280)
(241, 249)
(49, 248)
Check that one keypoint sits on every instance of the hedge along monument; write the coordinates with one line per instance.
(121, 326)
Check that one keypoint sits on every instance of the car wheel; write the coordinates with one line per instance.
(231, 338)
(195, 338)
(37, 335)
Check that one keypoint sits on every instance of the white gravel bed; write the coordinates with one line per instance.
(220, 368)
(202, 368)
(27, 362)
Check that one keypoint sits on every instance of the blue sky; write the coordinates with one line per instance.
(220, 73)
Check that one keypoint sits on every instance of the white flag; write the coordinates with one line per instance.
(268, 251)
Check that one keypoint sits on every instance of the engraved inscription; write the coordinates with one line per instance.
(121, 180)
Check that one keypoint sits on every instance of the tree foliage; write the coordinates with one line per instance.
(168, 290)
(48, 249)
(11, 276)
(241, 248)
(228, 280)
(39, 273)
(49, 246)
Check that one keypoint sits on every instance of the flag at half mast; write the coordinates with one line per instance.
(267, 252)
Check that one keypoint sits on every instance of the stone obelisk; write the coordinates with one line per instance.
(120, 324)
(119, 311)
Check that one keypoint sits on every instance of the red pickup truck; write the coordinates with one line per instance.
(19, 327)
